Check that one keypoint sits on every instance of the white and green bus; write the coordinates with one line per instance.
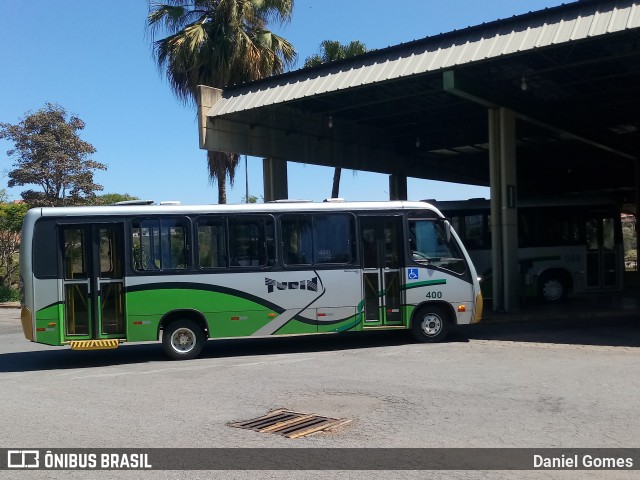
(94, 277)
(565, 245)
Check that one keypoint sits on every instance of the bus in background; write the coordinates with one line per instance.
(94, 277)
(564, 246)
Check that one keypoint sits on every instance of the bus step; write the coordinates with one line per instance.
(290, 424)
(95, 344)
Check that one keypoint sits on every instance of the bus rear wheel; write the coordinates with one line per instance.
(183, 340)
(552, 288)
(430, 324)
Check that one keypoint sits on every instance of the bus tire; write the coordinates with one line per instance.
(552, 288)
(183, 340)
(430, 324)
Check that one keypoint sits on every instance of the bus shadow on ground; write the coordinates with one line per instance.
(616, 332)
(64, 358)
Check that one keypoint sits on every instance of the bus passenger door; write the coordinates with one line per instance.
(382, 257)
(602, 265)
(93, 281)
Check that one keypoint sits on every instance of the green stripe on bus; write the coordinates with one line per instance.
(427, 283)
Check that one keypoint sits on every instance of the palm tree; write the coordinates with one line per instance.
(330, 51)
(218, 43)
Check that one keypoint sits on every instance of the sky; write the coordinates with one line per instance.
(93, 58)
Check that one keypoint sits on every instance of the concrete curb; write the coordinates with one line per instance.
(10, 305)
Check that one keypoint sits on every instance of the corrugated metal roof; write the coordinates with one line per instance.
(572, 22)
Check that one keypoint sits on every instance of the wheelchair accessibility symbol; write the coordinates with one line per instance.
(412, 274)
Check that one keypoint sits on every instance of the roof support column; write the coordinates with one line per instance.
(637, 215)
(397, 187)
(504, 213)
(274, 175)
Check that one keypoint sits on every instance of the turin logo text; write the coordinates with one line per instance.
(272, 284)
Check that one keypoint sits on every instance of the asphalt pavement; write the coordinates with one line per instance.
(533, 383)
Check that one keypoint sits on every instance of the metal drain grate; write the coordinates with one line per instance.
(289, 424)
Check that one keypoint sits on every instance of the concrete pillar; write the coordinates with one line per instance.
(274, 174)
(397, 187)
(509, 207)
(504, 214)
(637, 215)
(496, 212)
(206, 98)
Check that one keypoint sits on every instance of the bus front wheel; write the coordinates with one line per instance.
(183, 340)
(430, 324)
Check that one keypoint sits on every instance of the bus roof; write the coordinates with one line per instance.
(271, 207)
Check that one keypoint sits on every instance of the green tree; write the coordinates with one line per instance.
(330, 51)
(218, 43)
(49, 153)
(11, 216)
(111, 198)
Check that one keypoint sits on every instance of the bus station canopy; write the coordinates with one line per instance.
(570, 74)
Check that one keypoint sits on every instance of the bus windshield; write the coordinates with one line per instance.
(431, 244)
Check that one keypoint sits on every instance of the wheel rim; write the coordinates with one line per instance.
(431, 324)
(552, 290)
(183, 340)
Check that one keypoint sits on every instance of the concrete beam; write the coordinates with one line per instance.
(361, 153)
(463, 86)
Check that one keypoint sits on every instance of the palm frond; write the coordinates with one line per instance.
(218, 43)
(169, 18)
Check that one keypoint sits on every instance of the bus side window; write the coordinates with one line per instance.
(525, 228)
(146, 245)
(317, 239)
(74, 254)
(174, 244)
(474, 231)
(457, 222)
(160, 244)
(332, 239)
(251, 241)
(212, 250)
(297, 239)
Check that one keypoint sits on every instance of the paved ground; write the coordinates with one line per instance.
(562, 383)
